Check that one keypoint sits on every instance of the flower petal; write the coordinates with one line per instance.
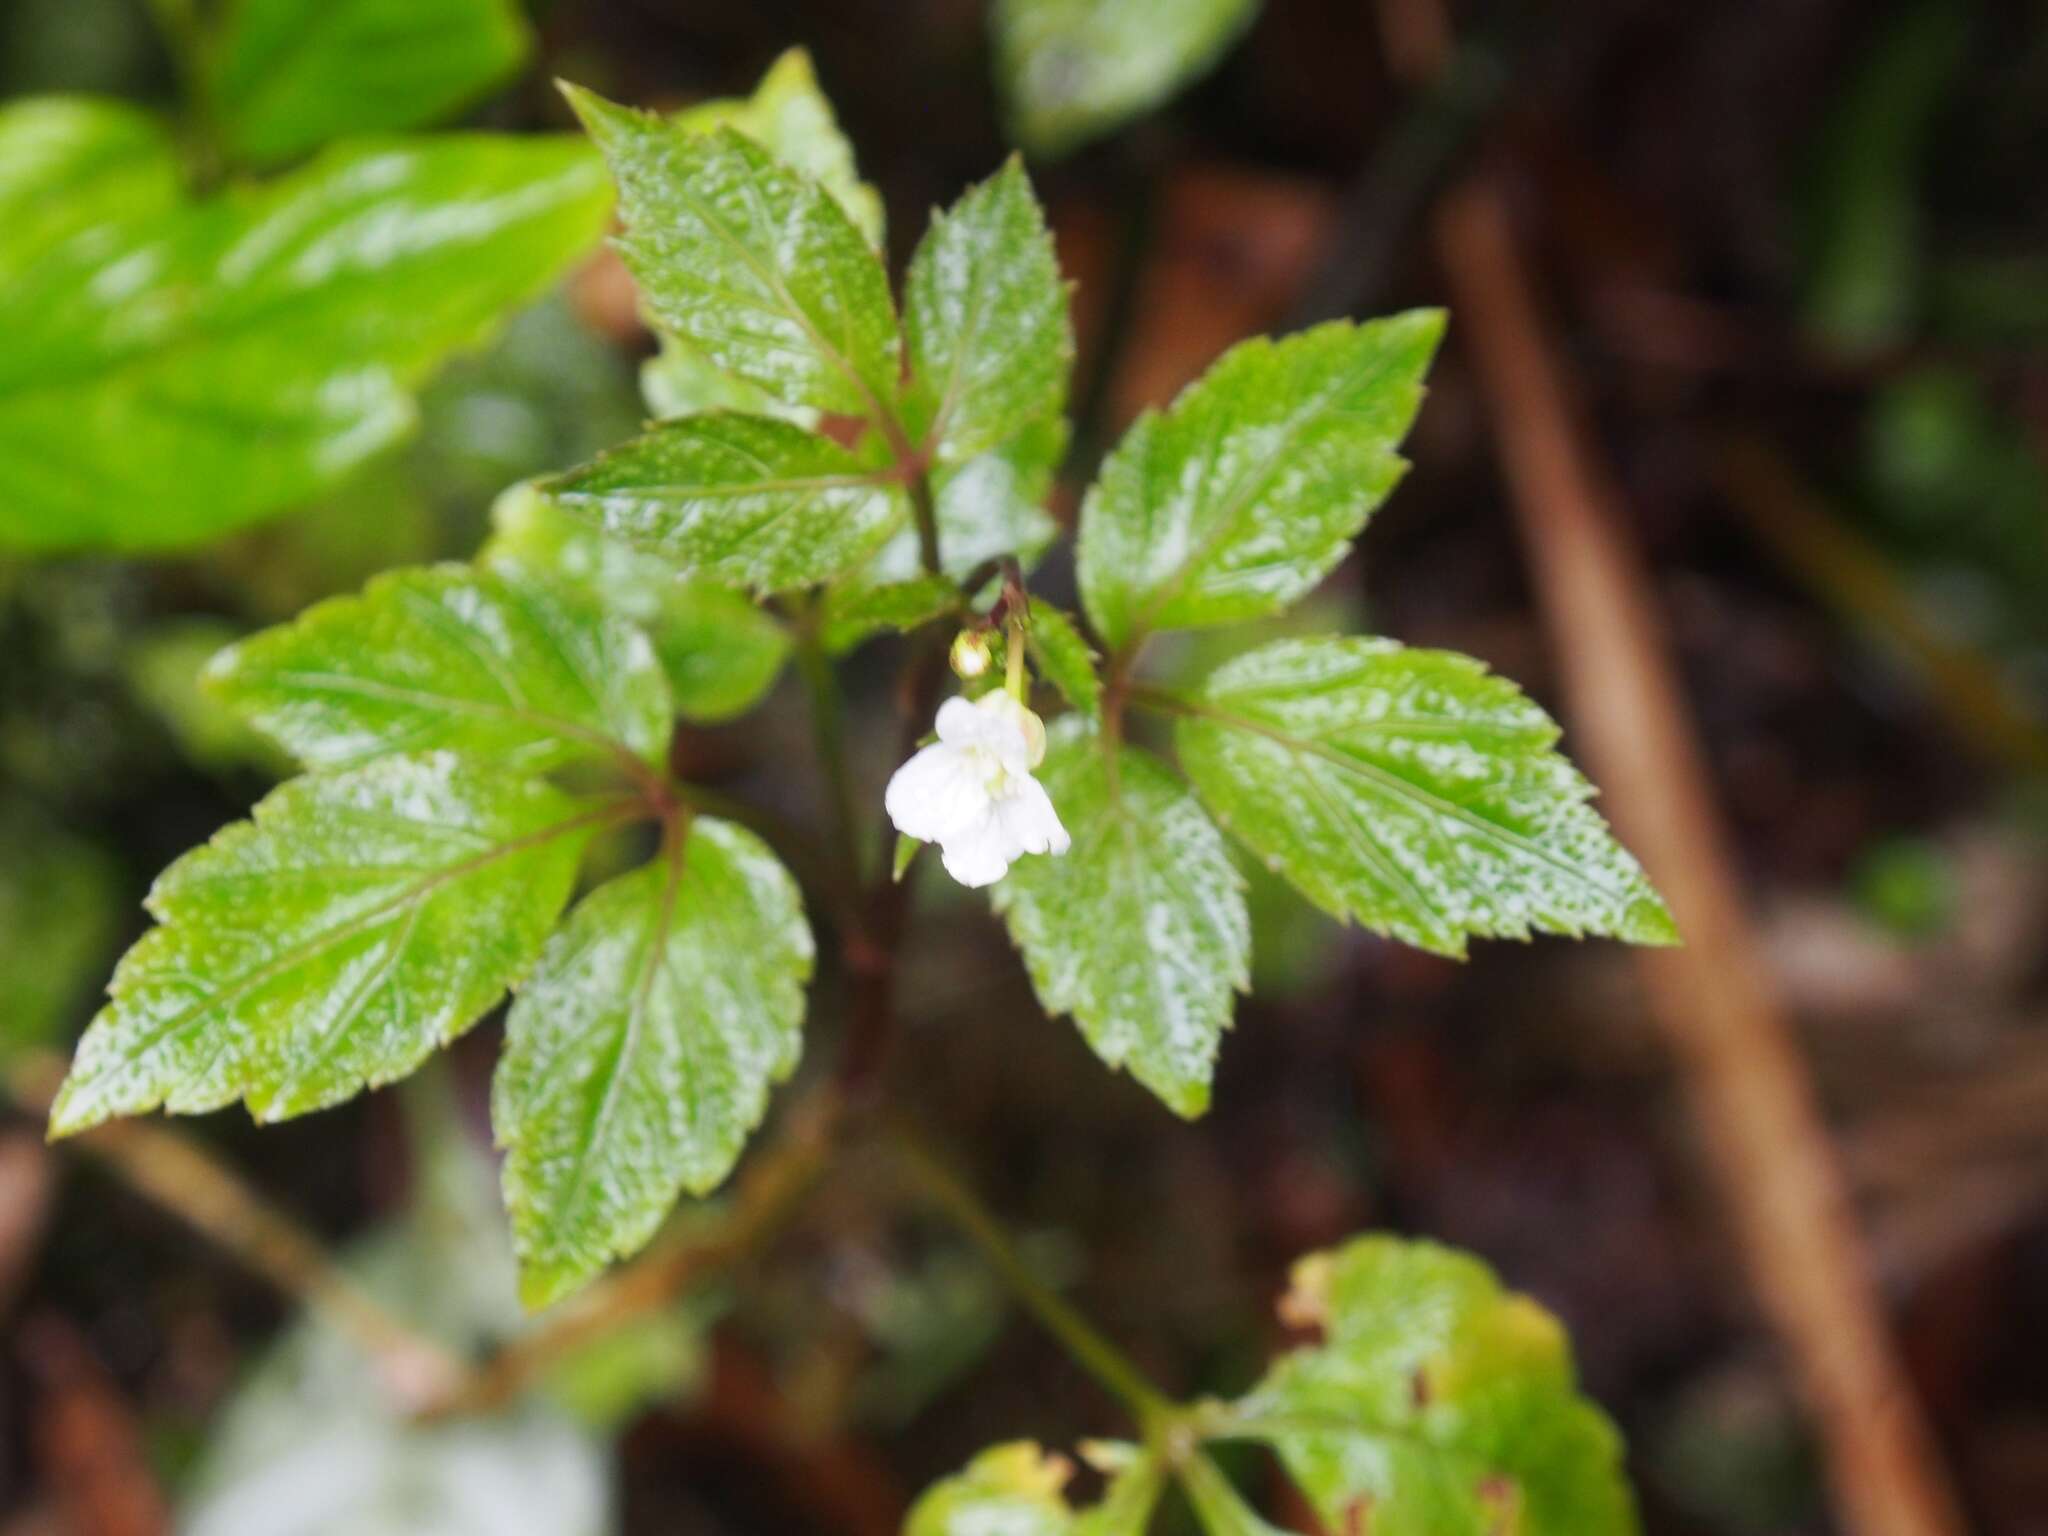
(960, 724)
(1030, 823)
(979, 855)
(937, 794)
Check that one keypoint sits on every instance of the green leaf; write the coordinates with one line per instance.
(1016, 1490)
(1413, 792)
(1064, 658)
(751, 262)
(358, 922)
(1437, 1404)
(60, 910)
(290, 75)
(513, 670)
(1219, 1508)
(854, 612)
(70, 165)
(681, 381)
(1072, 70)
(1139, 931)
(985, 320)
(640, 1055)
(791, 118)
(193, 371)
(989, 507)
(722, 652)
(746, 500)
(1243, 494)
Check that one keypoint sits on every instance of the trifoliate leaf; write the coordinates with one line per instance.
(1075, 69)
(751, 262)
(358, 922)
(510, 669)
(1436, 1405)
(287, 76)
(640, 1055)
(1139, 931)
(173, 376)
(1064, 658)
(1413, 792)
(985, 320)
(745, 500)
(1241, 495)
(721, 651)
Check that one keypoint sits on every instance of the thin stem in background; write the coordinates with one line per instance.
(1113, 1371)
(828, 732)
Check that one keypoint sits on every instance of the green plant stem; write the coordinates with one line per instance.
(1111, 1368)
(828, 732)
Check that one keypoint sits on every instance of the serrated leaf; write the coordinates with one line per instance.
(1241, 495)
(1411, 791)
(745, 500)
(1140, 930)
(985, 320)
(1017, 1489)
(640, 1055)
(853, 612)
(514, 670)
(178, 375)
(721, 651)
(753, 263)
(1064, 658)
(70, 165)
(1073, 70)
(287, 76)
(358, 922)
(681, 381)
(790, 116)
(1437, 1404)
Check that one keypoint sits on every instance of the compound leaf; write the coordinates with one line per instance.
(640, 1055)
(985, 320)
(289, 75)
(1241, 495)
(358, 922)
(513, 669)
(753, 263)
(1411, 791)
(746, 500)
(1140, 930)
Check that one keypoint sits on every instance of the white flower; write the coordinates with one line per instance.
(972, 792)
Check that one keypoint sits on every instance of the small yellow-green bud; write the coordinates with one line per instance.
(971, 653)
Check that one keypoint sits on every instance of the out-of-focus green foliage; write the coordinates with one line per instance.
(286, 76)
(1073, 70)
(59, 912)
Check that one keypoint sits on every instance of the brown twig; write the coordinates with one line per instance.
(1747, 1084)
(176, 1173)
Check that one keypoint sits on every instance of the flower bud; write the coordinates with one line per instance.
(971, 655)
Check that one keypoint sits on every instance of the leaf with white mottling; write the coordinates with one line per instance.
(1249, 488)
(753, 263)
(985, 320)
(1411, 791)
(1437, 1404)
(640, 1055)
(745, 500)
(989, 507)
(854, 612)
(510, 669)
(722, 652)
(1139, 930)
(1016, 1489)
(361, 920)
